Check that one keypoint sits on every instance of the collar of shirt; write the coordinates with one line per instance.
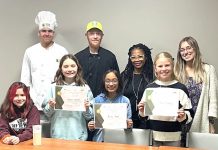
(96, 53)
(65, 83)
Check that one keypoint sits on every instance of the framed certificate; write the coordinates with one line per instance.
(110, 115)
(161, 102)
(70, 98)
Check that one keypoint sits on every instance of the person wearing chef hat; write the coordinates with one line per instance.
(40, 61)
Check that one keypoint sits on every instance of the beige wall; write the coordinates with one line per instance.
(160, 24)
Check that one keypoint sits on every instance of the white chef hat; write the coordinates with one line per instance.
(46, 19)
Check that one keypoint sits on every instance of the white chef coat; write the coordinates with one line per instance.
(39, 68)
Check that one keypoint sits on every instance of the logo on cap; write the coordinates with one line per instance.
(94, 24)
(46, 25)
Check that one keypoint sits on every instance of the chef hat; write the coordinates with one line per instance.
(46, 19)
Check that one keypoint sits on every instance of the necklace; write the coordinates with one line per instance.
(136, 93)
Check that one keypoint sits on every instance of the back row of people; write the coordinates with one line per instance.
(198, 76)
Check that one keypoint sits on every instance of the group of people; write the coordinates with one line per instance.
(47, 64)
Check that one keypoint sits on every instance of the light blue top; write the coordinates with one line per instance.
(101, 98)
(69, 125)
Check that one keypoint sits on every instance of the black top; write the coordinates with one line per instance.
(95, 65)
(133, 89)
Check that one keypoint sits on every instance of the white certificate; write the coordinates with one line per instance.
(70, 98)
(162, 102)
(110, 115)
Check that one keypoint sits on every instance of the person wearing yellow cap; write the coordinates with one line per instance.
(94, 59)
(40, 61)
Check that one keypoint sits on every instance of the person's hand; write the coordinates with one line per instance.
(181, 115)
(52, 103)
(11, 140)
(87, 104)
(141, 106)
(91, 125)
(7, 140)
(129, 123)
(211, 128)
(15, 140)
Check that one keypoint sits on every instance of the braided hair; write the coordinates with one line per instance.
(147, 69)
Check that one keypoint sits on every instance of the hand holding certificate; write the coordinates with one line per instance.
(113, 116)
(161, 102)
(70, 98)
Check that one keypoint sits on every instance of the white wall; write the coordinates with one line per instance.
(160, 24)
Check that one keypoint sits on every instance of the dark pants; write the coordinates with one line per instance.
(140, 124)
(44, 121)
(185, 130)
(90, 135)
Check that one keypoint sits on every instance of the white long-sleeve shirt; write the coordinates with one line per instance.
(39, 68)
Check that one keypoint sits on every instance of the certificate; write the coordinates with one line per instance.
(110, 115)
(70, 98)
(161, 102)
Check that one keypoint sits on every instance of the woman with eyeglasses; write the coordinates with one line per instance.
(137, 74)
(112, 87)
(201, 80)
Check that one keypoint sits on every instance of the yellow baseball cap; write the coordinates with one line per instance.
(94, 24)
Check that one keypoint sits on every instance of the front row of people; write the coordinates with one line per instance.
(18, 113)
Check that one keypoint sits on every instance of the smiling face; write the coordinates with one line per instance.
(19, 98)
(137, 58)
(164, 69)
(111, 83)
(187, 52)
(46, 36)
(69, 69)
(94, 37)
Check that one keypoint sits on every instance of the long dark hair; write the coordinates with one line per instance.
(59, 77)
(147, 69)
(8, 108)
(120, 85)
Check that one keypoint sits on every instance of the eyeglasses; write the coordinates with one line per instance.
(111, 81)
(138, 57)
(188, 49)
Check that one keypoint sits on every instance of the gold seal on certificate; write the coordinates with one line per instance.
(110, 115)
(70, 98)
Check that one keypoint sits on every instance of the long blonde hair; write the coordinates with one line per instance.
(168, 56)
(199, 72)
